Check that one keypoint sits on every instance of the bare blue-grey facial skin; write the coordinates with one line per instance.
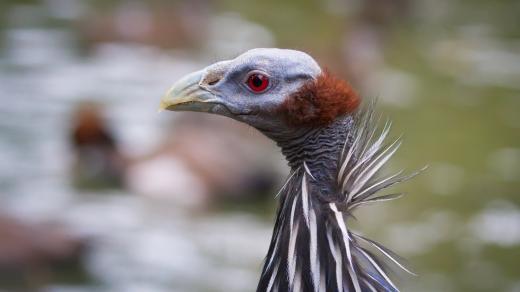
(222, 88)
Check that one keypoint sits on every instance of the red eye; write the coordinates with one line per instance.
(257, 82)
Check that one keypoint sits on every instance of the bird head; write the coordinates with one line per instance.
(269, 89)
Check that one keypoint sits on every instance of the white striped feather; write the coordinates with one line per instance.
(366, 145)
(358, 164)
(370, 286)
(323, 288)
(374, 185)
(383, 198)
(305, 200)
(346, 241)
(271, 259)
(346, 160)
(355, 281)
(379, 142)
(291, 259)
(336, 254)
(386, 252)
(363, 123)
(307, 170)
(373, 167)
(363, 148)
(273, 277)
(287, 182)
(297, 282)
(314, 258)
(293, 208)
(378, 268)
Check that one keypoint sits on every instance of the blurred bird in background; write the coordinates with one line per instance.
(334, 151)
(98, 161)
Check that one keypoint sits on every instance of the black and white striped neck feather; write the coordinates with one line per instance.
(334, 171)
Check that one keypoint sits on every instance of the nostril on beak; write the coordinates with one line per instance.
(211, 78)
(214, 81)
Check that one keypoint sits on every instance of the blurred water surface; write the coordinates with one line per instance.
(453, 89)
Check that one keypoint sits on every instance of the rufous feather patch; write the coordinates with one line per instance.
(320, 101)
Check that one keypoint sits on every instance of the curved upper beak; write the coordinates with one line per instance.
(187, 95)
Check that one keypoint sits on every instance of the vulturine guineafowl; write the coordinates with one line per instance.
(334, 151)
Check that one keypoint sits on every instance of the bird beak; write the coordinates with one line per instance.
(187, 95)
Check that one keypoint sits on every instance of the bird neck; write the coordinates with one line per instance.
(333, 172)
(318, 148)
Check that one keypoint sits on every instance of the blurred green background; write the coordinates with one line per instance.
(98, 192)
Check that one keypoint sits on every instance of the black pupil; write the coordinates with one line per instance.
(257, 81)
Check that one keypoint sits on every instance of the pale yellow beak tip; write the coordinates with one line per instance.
(164, 103)
(183, 91)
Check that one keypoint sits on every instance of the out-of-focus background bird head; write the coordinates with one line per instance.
(250, 88)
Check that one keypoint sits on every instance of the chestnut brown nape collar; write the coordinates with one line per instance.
(319, 102)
